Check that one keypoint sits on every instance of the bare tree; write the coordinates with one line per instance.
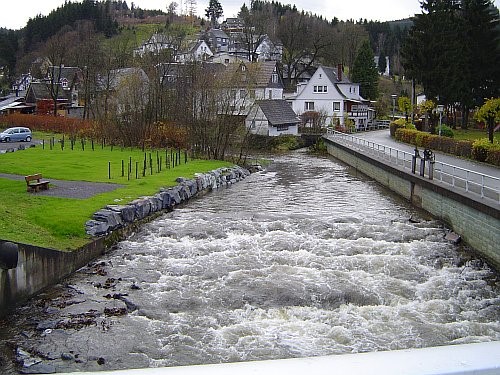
(56, 49)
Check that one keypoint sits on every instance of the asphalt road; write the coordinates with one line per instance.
(8, 145)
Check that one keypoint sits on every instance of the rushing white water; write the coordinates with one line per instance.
(304, 259)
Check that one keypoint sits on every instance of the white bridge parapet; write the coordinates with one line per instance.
(467, 359)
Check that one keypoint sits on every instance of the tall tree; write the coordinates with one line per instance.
(382, 63)
(214, 12)
(452, 49)
(365, 72)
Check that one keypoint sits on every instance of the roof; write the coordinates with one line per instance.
(332, 75)
(40, 91)
(118, 75)
(217, 33)
(258, 74)
(278, 112)
(66, 72)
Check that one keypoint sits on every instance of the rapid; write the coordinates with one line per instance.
(307, 258)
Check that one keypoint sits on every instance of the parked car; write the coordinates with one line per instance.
(16, 134)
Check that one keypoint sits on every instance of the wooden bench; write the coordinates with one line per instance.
(35, 183)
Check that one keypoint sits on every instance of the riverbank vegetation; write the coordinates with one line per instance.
(58, 223)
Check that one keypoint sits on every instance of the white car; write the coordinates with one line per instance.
(16, 134)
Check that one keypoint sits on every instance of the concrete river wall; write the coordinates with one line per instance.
(477, 223)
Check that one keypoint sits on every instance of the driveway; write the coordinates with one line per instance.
(4, 146)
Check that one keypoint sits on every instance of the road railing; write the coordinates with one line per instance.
(423, 162)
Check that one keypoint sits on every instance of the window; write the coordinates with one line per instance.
(270, 94)
(274, 78)
(252, 94)
(315, 89)
(309, 106)
(243, 93)
(336, 106)
(233, 94)
(325, 88)
(282, 127)
(242, 108)
(320, 88)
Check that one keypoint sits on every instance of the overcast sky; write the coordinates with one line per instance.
(15, 13)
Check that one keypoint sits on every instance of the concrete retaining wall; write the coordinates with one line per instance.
(25, 270)
(476, 222)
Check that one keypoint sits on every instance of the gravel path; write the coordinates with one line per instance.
(70, 189)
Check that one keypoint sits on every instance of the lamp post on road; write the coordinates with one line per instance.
(440, 109)
(393, 96)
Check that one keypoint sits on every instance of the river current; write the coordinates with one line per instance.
(304, 259)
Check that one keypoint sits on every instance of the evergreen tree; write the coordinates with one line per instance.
(382, 63)
(452, 49)
(365, 72)
(214, 12)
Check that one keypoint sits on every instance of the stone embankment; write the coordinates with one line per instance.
(114, 217)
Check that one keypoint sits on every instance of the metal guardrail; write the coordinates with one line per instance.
(468, 181)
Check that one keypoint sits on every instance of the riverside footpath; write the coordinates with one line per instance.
(462, 193)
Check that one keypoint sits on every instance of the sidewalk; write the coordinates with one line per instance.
(383, 137)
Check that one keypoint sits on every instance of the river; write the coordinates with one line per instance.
(304, 259)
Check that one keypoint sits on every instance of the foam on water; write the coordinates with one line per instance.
(303, 260)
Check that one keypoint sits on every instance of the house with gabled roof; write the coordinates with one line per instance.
(217, 40)
(272, 118)
(39, 95)
(330, 93)
(249, 82)
(196, 50)
(70, 79)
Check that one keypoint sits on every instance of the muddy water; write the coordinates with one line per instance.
(304, 259)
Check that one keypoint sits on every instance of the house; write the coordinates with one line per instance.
(386, 72)
(249, 82)
(124, 90)
(156, 43)
(22, 83)
(272, 118)
(194, 51)
(227, 58)
(330, 93)
(269, 50)
(40, 96)
(217, 40)
(70, 78)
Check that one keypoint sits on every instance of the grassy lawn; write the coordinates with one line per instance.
(473, 134)
(58, 223)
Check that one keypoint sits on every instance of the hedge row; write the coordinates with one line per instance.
(480, 150)
(45, 123)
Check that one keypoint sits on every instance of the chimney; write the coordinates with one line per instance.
(339, 72)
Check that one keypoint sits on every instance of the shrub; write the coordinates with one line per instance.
(484, 150)
(480, 149)
(446, 131)
(395, 125)
(45, 123)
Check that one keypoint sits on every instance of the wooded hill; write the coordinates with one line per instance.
(109, 18)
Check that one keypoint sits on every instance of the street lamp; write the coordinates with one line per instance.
(440, 109)
(393, 96)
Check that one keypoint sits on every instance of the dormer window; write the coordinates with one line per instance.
(243, 68)
(64, 83)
